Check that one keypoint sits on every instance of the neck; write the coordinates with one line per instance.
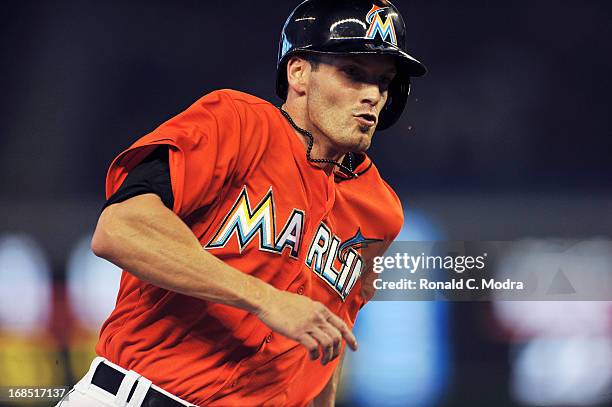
(321, 148)
(327, 164)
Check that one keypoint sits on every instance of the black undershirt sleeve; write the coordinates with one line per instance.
(151, 175)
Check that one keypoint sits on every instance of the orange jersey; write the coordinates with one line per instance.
(242, 183)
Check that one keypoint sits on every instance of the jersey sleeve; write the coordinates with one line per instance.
(204, 144)
(151, 175)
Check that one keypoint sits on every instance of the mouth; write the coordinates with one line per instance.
(366, 119)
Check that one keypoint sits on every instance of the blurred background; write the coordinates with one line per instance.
(507, 137)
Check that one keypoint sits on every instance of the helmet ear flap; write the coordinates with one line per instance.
(396, 101)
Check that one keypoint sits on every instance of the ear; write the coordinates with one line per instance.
(298, 74)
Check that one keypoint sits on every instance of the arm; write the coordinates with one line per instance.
(144, 237)
(327, 397)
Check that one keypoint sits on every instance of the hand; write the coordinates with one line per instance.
(307, 322)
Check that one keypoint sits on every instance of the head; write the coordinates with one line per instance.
(319, 39)
(338, 97)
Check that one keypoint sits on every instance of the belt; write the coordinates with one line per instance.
(109, 379)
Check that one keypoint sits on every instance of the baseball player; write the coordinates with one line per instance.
(245, 229)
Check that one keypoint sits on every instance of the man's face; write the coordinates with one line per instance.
(345, 97)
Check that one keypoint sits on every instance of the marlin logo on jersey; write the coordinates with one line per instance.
(246, 223)
(325, 248)
(357, 242)
(377, 26)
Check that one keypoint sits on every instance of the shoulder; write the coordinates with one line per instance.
(229, 104)
(224, 112)
(247, 106)
(390, 213)
(246, 124)
(239, 97)
(258, 118)
(223, 103)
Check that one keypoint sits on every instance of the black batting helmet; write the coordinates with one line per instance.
(351, 27)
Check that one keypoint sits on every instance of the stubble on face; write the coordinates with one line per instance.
(366, 129)
(332, 117)
(334, 100)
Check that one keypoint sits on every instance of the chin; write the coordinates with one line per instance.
(362, 148)
(362, 142)
(357, 139)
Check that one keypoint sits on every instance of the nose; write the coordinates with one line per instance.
(371, 94)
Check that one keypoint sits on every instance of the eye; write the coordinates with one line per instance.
(351, 71)
(385, 81)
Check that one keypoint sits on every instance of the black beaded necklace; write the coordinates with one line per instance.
(349, 169)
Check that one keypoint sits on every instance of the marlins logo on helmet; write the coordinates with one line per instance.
(385, 29)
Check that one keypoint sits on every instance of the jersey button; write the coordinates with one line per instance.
(269, 338)
(300, 290)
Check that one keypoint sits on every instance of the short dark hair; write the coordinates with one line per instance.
(314, 60)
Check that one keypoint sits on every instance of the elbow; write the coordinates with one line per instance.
(99, 244)
(102, 241)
